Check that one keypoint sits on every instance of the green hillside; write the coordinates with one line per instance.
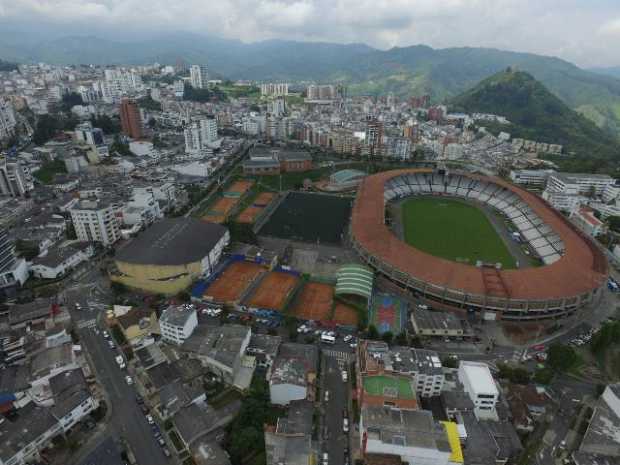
(537, 114)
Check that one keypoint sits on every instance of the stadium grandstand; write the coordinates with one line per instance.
(574, 270)
(354, 280)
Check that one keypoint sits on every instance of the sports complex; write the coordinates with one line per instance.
(450, 252)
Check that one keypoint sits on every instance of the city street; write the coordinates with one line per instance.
(335, 408)
(126, 419)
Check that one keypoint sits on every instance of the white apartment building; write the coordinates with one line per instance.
(177, 323)
(531, 178)
(427, 372)
(585, 220)
(15, 178)
(277, 107)
(610, 193)
(198, 76)
(579, 183)
(274, 89)
(562, 201)
(199, 134)
(7, 119)
(479, 384)
(95, 221)
(142, 209)
(398, 148)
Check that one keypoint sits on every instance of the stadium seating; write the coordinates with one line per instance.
(539, 236)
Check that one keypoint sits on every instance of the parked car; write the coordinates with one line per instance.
(128, 380)
(150, 420)
(347, 338)
(345, 376)
(105, 334)
(166, 451)
(111, 345)
(345, 425)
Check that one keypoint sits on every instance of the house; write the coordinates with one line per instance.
(138, 324)
(222, 350)
(290, 441)
(198, 419)
(56, 261)
(293, 374)
(72, 398)
(527, 404)
(479, 384)
(177, 323)
(264, 348)
(177, 395)
(50, 362)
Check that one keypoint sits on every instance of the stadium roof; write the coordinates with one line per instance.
(354, 279)
(347, 175)
(172, 241)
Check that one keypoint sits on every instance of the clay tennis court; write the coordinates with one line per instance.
(345, 315)
(252, 212)
(229, 286)
(314, 302)
(240, 187)
(272, 291)
(220, 210)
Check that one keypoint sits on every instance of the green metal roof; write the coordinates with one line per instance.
(346, 175)
(354, 279)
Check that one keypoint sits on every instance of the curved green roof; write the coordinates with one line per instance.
(346, 175)
(354, 279)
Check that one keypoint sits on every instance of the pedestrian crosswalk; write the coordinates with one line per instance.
(91, 323)
(339, 355)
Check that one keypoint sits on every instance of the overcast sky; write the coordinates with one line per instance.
(586, 32)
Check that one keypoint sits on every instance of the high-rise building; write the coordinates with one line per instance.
(374, 136)
(131, 123)
(7, 120)
(277, 107)
(85, 132)
(321, 92)
(95, 221)
(15, 178)
(198, 134)
(7, 252)
(208, 129)
(272, 89)
(13, 271)
(198, 76)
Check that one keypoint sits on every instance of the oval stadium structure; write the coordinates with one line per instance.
(574, 270)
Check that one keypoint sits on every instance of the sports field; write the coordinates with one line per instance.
(272, 291)
(345, 315)
(220, 210)
(314, 302)
(387, 313)
(454, 230)
(388, 386)
(252, 212)
(229, 286)
(310, 218)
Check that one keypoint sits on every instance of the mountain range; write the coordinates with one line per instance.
(415, 70)
(536, 114)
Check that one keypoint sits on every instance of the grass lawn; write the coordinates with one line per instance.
(454, 230)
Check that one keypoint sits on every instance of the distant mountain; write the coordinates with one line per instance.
(419, 69)
(614, 71)
(7, 66)
(536, 114)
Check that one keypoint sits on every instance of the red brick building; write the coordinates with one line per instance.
(131, 123)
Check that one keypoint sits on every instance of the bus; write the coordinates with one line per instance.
(327, 339)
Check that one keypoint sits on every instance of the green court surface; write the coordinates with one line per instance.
(454, 230)
(388, 386)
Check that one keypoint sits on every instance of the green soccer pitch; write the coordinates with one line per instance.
(453, 230)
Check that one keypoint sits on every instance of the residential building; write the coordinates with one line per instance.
(72, 398)
(374, 136)
(535, 179)
(290, 441)
(131, 122)
(409, 436)
(274, 89)
(479, 384)
(579, 183)
(277, 107)
(563, 201)
(293, 374)
(222, 350)
(57, 261)
(198, 76)
(86, 133)
(585, 220)
(438, 324)
(15, 178)
(13, 271)
(95, 221)
(177, 323)
(138, 325)
(8, 122)
(321, 92)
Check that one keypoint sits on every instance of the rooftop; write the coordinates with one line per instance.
(389, 386)
(30, 424)
(433, 320)
(177, 315)
(172, 241)
(221, 343)
(479, 376)
(294, 363)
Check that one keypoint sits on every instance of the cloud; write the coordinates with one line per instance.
(571, 29)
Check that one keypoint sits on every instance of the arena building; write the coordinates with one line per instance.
(574, 270)
(170, 255)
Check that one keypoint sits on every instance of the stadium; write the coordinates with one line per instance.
(573, 270)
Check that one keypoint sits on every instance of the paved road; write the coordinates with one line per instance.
(334, 409)
(127, 420)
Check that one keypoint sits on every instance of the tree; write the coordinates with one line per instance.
(387, 337)
(120, 147)
(27, 249)
(401, 339)
(47, 126)
(106, 124)
(614, 223)
(561, 357)
(183, 296)
(372, 332)
(70, 100)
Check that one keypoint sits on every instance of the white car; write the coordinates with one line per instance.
(121, 362)
(345, 425)
(326, 396)
(106, 335)
(111, 345)
(347, 338)
(149, 419)
(128, 380)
